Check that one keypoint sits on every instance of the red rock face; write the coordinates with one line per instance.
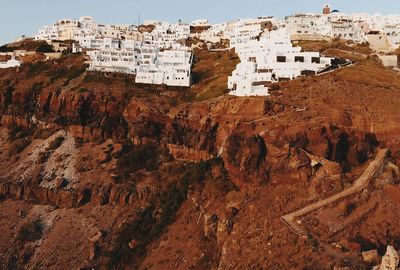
(164, 181)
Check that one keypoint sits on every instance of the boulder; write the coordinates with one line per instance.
(132, 244)
(390, 260)
(96, 237)
(371, 256)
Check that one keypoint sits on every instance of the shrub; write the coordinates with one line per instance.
(75, 73)
(56, 143)
(17, 146)
(42, 134)
(45, 48)
(6, 48)
(31, 231)
(147, 227)
(18, 132)
(37, 68)
(13, 131)
(138, 157)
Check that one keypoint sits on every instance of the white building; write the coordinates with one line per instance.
(110, 55)
(10, 63)
(308, 25)
(165, 35)
(200, 23)
(271, 59)
(345, 27)
(151, 66)
(172, 68)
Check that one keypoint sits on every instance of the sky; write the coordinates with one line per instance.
(25, 17)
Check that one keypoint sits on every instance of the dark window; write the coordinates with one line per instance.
(281, 59)
(299, 59)
(316, 60)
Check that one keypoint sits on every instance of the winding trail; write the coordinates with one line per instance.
(373, 170)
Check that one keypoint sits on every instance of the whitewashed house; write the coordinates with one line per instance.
(242, 31)
(10, 63)
(200, 23)
(171, 67)
(165, 35)
(214, 34)
(272, 58)
(308, 26)
(110, 55)
(47, 33)
(344, 27)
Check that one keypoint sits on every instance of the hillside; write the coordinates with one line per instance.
(99, 172)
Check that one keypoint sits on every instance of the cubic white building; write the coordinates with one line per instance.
(151, 66)
(165, 35)
(308, 24)
(200, 23)
(10, 63)
(272, 58)
(354, 27)
(172, 68)
(110, 55)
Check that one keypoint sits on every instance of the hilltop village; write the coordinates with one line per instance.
(161, 53)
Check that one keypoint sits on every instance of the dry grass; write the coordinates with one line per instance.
(211, 71)
(338, 48)
(370, 73)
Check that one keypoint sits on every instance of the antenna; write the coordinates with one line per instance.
(138, 19)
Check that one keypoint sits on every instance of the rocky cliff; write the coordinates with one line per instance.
(99, 172)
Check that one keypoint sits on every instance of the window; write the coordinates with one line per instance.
(299, 59)
(281, 59)
(316, 60)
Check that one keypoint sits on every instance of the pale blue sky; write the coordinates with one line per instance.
(19, 17)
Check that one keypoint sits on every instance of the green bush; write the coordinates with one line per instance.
(31, 231)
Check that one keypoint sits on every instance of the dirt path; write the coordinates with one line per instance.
(373, 170)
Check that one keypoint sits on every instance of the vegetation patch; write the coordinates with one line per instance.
(147, 226)
(19, 139)
(56, 143)
(17, 132)
(210, 73)
(31, 231)
(138, 157)
(42, 134)
(17, 146)
(45, 48)
(37, 68)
